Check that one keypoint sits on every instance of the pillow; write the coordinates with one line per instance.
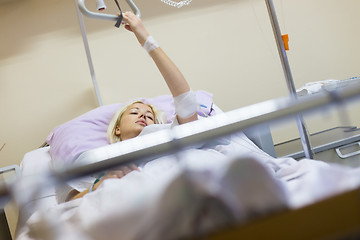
(88, 131)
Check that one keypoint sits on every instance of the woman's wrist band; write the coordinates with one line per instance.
(150, 44)
(95, 182)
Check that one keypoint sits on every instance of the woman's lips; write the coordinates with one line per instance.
(141, 122)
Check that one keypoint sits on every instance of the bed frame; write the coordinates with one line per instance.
(4, 227)
(333, 218)
(5, 233)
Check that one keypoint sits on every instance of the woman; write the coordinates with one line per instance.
(130, 120)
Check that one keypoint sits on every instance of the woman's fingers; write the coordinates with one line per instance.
(121, 172)
(135, 25)
(134, 167)
(129, 18)
(114, 174)
(125, 170)
(126, 21)
(129, 168)
(127, 27)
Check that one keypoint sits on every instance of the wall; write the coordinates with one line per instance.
(225, 47)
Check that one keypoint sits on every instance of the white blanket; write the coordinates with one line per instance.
(230, 181)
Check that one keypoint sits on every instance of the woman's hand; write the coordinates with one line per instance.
(116, 173)
(135, 25)
(121, 172)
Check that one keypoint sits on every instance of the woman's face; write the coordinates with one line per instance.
(134, 119)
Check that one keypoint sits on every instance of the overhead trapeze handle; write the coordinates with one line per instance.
(104, 16)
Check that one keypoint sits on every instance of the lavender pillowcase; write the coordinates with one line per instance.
(88, 131)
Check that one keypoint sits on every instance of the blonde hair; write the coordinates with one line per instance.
(159, 118)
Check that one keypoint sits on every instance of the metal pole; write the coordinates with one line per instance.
(88, 55)
(289, 79)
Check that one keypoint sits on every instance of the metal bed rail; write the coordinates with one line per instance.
(194, 133)
(11, 168)
(180, 137)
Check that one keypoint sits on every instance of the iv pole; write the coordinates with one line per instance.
(289, 79)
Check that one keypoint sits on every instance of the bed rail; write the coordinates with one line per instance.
(180, 137)
(4, 170)
(10, 169)
(183, 136)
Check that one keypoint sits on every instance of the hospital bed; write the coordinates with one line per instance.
(285, 223)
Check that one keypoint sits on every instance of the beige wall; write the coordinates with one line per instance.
(225, 47)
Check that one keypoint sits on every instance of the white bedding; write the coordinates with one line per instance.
(232, 181)
(33, 164)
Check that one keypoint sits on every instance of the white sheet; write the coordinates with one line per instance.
(35, 163)
(154, 204)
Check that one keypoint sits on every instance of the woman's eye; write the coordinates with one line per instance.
(133, 113)
(151, 118)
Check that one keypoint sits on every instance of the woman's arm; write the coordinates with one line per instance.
(174, 79)
(115, 173)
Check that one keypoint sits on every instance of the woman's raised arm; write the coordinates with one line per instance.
(174, 79)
